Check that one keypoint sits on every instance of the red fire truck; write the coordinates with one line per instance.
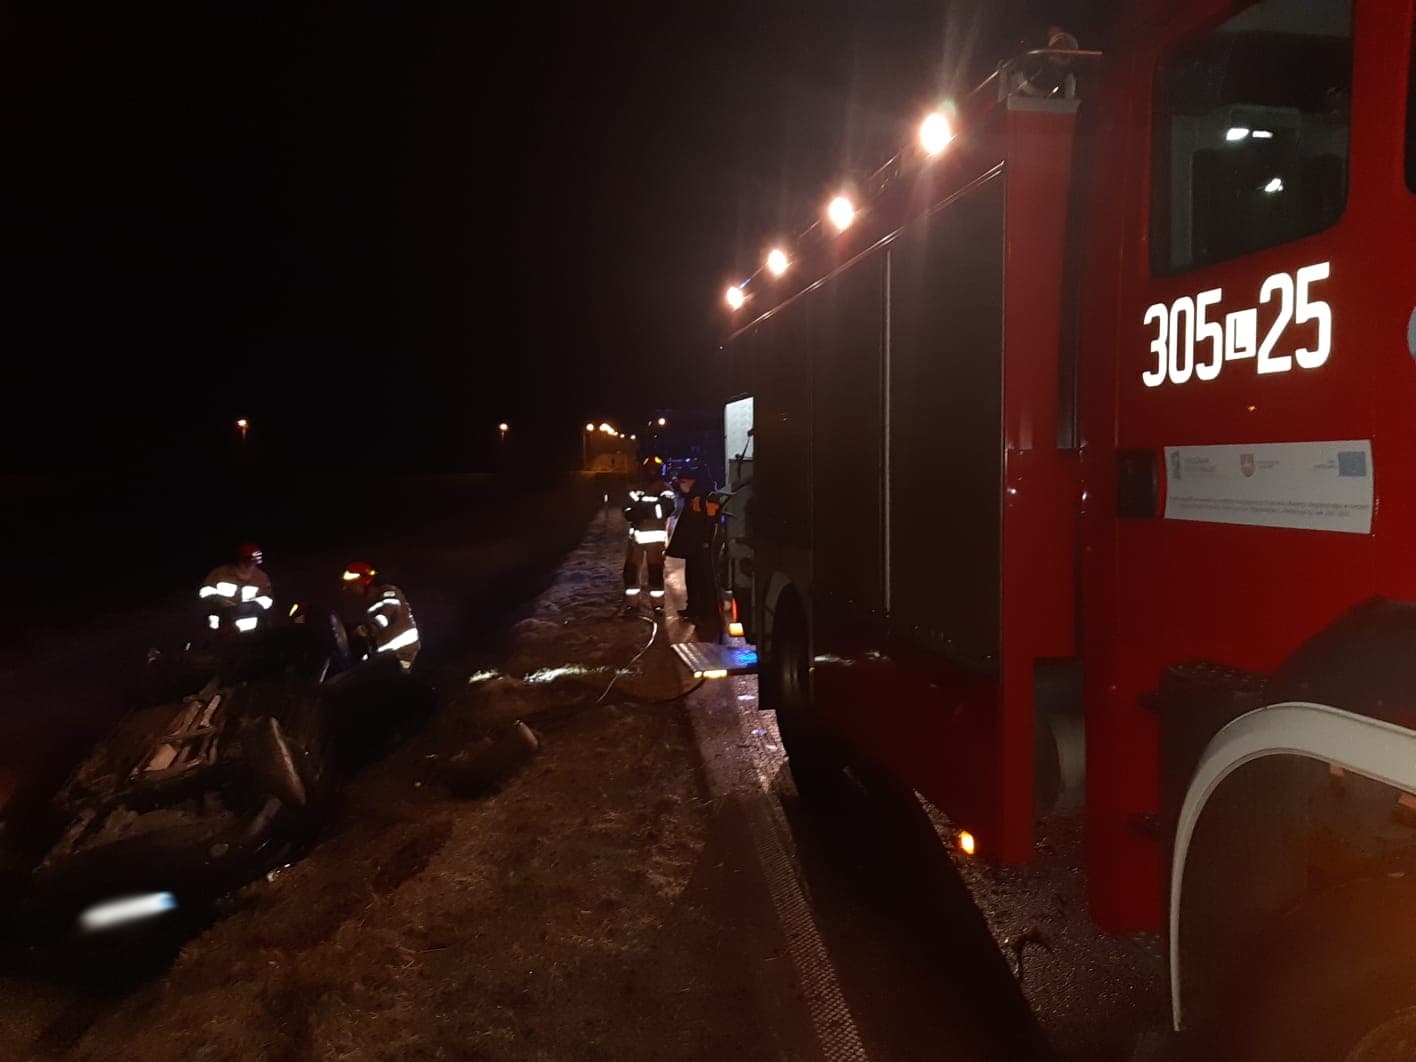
(1076, 426)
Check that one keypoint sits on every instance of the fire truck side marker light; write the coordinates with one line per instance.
(735, 630)
(967, 844)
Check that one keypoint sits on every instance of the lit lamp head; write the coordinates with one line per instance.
(935, 133)
(841, 213)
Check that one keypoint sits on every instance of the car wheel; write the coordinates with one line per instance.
(275, 763)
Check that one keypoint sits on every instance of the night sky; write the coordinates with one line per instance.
(378, 229)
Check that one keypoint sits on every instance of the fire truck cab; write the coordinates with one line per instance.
(1099, 421)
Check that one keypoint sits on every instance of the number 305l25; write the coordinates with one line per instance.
(1194, 338)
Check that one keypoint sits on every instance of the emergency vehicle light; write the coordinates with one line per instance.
(935, 133)
(735, 297)
(777, 261)
(841, 211)
(967, 844)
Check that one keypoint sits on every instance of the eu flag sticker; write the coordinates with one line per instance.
(1351, 463)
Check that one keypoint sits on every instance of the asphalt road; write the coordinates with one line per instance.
(889, 955)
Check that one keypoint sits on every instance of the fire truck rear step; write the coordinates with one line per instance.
(709, 660)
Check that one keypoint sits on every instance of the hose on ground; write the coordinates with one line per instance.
(653, 636)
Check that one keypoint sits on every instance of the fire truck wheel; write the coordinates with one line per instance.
(817, 767)
(1336, 979)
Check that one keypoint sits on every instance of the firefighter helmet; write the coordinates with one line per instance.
(359, 574)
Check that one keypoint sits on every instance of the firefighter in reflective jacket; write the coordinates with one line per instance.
(237, 596)
(651, 500)
(381, 615)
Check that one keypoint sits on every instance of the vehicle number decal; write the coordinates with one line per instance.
(1193, 338)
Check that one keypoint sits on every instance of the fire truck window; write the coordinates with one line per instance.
(1251, 131)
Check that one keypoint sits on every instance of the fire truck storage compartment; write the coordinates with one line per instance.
(945, 370)
(844, 333)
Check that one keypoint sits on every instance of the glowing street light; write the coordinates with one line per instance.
(935, 133)
(241, 425)
(607, 428)
(735, 297)
(841, 212)
(589, 427)
(662, 422)
(777, 261)
(501, 431)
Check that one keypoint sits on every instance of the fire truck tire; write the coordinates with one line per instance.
(817, 767)
(1336, 979)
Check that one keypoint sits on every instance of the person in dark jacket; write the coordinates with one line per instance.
(692, 541)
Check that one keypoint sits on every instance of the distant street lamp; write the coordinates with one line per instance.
(501, 431)
(663, 423)
(241, 425)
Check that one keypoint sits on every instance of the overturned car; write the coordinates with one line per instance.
(188, 799)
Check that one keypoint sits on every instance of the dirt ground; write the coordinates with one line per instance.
(570, 915)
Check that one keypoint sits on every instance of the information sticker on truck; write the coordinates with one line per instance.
(1314, 486)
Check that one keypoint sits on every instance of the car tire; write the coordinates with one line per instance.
(275, 763)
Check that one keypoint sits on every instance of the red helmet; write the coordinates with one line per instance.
(359, 573)
(249, 551)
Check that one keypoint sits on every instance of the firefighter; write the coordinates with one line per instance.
(237, 596)
(379, 614)
(693, 541)
(651, 501)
